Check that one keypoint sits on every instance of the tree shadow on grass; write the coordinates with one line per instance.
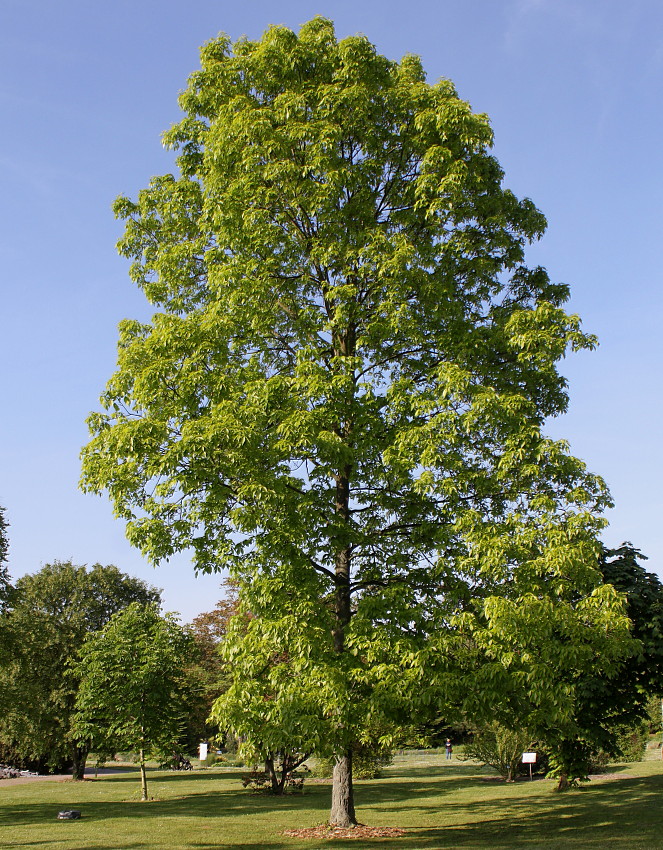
(139, 845)
(219, 803)
(224, 801)
(408, 788)
(72, 845)
(617, 814)
(145, 845)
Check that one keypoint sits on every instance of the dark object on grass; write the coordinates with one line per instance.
(69, 814)
(177, 762)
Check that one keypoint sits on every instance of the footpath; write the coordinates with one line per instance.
(62, 777)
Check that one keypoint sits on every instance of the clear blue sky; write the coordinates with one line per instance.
(573, 89)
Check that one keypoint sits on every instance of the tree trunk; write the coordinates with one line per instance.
(342, 812)
(79, 755)
(343, 806)
(143, 777)
(285, 771)
(271, 772)
(563, 783)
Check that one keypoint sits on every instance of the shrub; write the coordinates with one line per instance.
(260, 781)
(501, 748)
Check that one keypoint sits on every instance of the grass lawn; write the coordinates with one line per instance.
(440, 804)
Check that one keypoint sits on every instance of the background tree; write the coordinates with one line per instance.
(610, 710)
(342, 393)
(6, 693)
(642, 677)
(53, 612)
(208, 675)
(5, 583)
(132, 689)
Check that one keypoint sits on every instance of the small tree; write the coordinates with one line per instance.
(274, 720)
(132, 691)
(499, 747)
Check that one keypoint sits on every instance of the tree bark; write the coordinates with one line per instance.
(143, 777)
(563, 784)
(342, 812)
(79, 754)
(270, 770)
(343, 806)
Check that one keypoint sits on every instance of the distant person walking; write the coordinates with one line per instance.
(448, 748)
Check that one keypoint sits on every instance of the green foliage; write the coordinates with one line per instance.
(631, 742)
(5, 583)
(654, 717)
(609, 710)
(628, 746)
(207, 674)
(5, 597)
(570, 760)
(132, 690)
(643, 676)
(500, 748)
(341, 398)
(53, 612)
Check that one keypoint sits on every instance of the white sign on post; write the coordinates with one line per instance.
(202, 751)
(530, 759)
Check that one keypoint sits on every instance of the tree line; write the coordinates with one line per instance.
(89, 661)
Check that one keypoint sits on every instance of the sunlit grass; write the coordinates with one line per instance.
(440, 804)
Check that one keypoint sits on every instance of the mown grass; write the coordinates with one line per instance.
(440, 804)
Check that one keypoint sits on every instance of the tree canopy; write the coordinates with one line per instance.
(342, 393)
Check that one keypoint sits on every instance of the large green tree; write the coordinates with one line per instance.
(53, 612)
(342, 392)
(132, 693)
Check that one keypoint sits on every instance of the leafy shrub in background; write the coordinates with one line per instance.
(501, 748)
(261, 780)
(630, 743)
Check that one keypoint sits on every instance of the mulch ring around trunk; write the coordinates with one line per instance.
(354, 832)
